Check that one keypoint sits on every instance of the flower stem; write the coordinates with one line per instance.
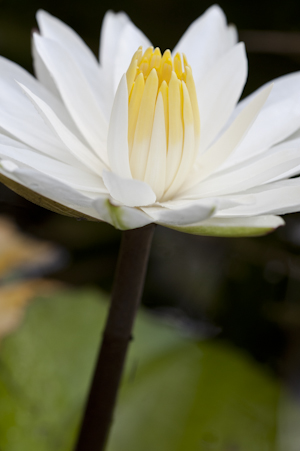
(126, 295)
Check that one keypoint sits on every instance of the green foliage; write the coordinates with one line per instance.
(177, 394)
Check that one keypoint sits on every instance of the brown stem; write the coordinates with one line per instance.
(126, 295)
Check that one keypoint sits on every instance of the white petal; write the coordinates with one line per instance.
(283, 87)
(54, 29)
(50, 188)
(275, 198)
(130, 192)
(121, 217)
(233, 36)
(41, 72)
(120, 39)
(10, 72)
(234, 227)
(117, 140)
(111, 30)
(279, 118)
(258, 173)
(219, 151)
(206, 40)
(131, 39)
(8, 141)
(290, 145)
(75, 92)
(189, 213)
(78, 149)
(295, 135)
(20, 119)
(77, 178)
(188, 153)
(156, 165)
(219, 91)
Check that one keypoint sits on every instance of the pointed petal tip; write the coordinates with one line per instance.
(40, 15)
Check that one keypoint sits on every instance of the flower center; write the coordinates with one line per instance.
(163, 120)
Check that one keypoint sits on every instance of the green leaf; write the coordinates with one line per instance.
(177, 394)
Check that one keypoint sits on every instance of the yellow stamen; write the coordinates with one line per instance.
(148, 53)
(143, 129)
(167, 56)
(164, 90)
(155, 60)
(131, 74)
(134, 108)
(144, 67)
(149, 75)
(138, 54)
(185, 61)
(175, 128)
(193, 96)
(178, 66)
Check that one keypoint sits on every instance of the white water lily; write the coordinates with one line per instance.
(145, 137)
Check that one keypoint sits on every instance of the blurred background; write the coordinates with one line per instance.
(242, 292)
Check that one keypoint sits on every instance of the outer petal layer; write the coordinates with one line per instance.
(47, 192)
(278, 119)
(188, 213)
(121, 217)
(233, 227)
(275, 198)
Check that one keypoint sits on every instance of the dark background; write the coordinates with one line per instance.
(246, 291)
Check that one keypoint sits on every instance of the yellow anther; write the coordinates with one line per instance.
(185, 65)
(142, 136)
(175, 128)
(190, 84)
(175, 107)
(138, 55)
(164, 90)
(178, 66)
(166, 67)
(155, 61)
(166, 72)
(144, 66)
(177, 134)
(166, 56)
(131, 74)
(185, 61)
(134, 108)
(188, 116)
(148, 53)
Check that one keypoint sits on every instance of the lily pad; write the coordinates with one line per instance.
(178, 393)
